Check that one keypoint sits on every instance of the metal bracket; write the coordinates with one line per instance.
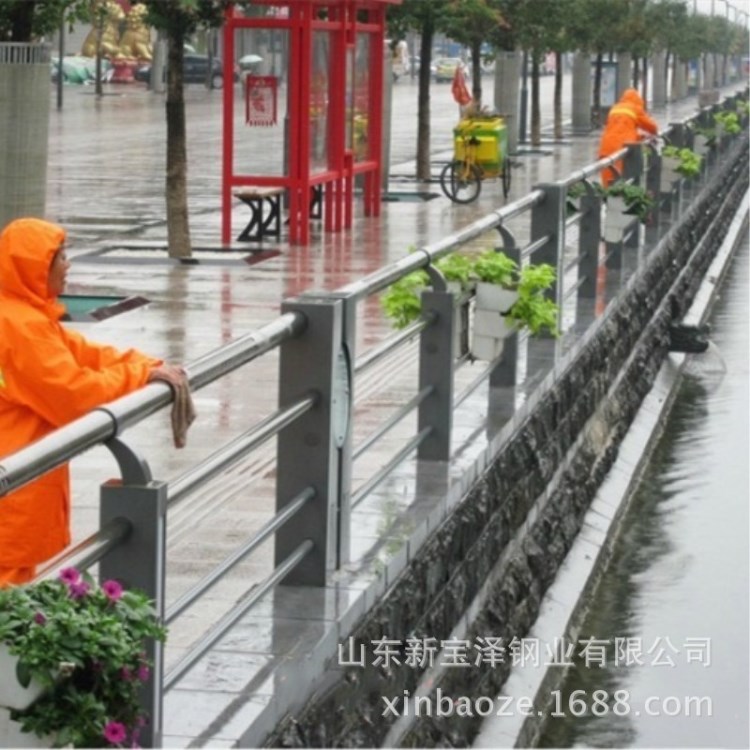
(134, 469)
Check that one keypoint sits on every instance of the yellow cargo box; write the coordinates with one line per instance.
(492, 138)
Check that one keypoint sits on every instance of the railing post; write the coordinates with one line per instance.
(505, 371)
(653, 187)
(548, 219)
(589, 237)
(436, 367)
(139, 561)
(309, 449)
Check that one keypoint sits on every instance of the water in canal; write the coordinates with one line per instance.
(678, 583)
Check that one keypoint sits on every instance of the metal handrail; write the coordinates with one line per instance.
(89, 551)
(532, 247)
(385, 276)
(202, 647)
(376, 479)
(107, 422)
(200, 588)
(392, 421)
(392, 343)
(223, 458)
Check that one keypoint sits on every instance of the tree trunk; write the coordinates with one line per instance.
(536, 116)
(423, 107)
(636, 73)
(558, 96)
(644, 77)
(476, 74)
(98, 59)
(597, 115)
(178, 228)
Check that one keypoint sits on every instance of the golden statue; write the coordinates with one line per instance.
(136, 39)
(109, 44)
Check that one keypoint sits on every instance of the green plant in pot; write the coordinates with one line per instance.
(81, 649)
(688, 163)
(402, 302)
(636, 199)
(508, 299)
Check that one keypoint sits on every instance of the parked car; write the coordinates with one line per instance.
(445, 68)
(195, 70)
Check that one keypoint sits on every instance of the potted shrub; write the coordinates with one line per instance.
(508, 299)
(626, 199)
(76, 651)
(682, 162)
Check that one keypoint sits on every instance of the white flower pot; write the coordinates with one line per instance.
(494, 297)
(12, 736)
(490, 328)
(616, 220)
(670, 177)
(12, 694)
(700, 144)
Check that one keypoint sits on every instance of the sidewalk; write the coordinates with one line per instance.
(196, 308)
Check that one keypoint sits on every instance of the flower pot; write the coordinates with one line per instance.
(12, 694)
(670, 177)
(617, 219)
(490, 328)
(701, 144)
(12, 736)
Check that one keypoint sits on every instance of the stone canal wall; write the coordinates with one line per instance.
(485, 570)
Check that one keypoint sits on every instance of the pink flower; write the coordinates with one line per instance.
(69, 575)
(114, 732)
(143, 672)
(39, 618)
(112, 590)
(126, 674)
(78, 590)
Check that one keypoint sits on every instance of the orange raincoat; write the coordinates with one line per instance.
(48, 377)
(624, 123)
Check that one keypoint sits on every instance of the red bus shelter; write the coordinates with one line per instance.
(323, 112)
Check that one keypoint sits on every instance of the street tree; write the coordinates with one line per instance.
(474, 23)
(178, 19)
(426, 18)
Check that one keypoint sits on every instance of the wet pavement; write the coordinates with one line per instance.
(105, 184)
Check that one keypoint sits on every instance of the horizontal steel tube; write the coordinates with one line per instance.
(108, 421)
(226, 622)
(574, 219)
(473, 385)
(88, 552)
(592, 169)
(386, 276)
(532, 247)
(392, 421)
(391, 344)
(189, 597)
(226, 456)
(573, 289)
(573, 263)
(376, 479)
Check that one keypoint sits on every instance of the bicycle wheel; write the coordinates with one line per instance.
(461, 182)
(506, 176)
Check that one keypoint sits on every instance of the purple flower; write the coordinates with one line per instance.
(112, 590)
(69, 575)
(39, 618)
(78, 590)
(114, 732)
(144, 672)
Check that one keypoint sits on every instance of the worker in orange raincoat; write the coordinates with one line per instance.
(49, 376)
(625, 122)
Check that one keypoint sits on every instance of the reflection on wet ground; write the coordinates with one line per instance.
(678, 582)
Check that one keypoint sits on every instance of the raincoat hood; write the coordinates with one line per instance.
(27, 247)
(631, 96)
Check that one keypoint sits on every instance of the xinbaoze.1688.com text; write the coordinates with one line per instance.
(577, 703)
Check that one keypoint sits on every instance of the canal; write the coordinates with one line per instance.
(678, 583)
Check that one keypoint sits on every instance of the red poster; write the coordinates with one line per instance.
(260, 100)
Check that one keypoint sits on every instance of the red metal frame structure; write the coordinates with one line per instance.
(353, 140)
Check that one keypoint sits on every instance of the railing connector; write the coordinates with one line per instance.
(309, 449)
(548, 220)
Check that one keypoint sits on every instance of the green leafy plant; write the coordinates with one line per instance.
(85, 645)
(743, 107)
(638, 200)
(689, 162)
(496, 268)
(729, 122)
